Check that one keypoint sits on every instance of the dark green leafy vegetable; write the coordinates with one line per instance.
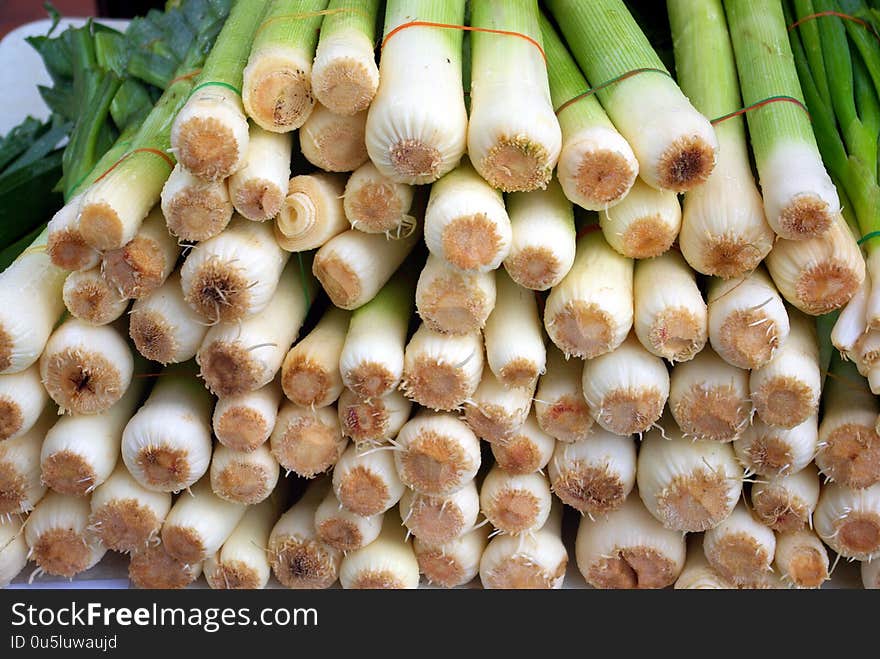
(102, 82)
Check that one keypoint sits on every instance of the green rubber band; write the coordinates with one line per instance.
(608, 83)
(867, 237)
(304, 280)
(215, 83)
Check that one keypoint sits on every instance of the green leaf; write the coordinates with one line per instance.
(40, 147)
(17, 140)
(26, 200)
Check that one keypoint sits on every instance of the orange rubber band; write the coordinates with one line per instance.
(466, 28)
(759, 104)
(837, 14)
(185, 76)
(156, 152)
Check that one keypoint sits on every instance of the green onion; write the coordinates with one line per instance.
(675, 145)
(513, 150)
(723, 230)
(210, 133)
(417, 124)
(799, 198)
(597, 166)
(344, 74)
(277, 87)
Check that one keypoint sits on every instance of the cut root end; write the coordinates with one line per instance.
(153, 567)
(433, 464)
(825, 287)
(784, 401)
(436, 385)
(124, 525)
(677, 335)
(717, 413)
(258, 199)
(851, 456)
(219, 293)
(164, 467)
(61, 552)
(197, 213)
(303, 564)
(101, 226)
(363, 492)
(136, 269)
(630, 411)
(11, 418)
(471, 242)
(152, 336)
(243, 483)
(516, 164)
(536, 268)
(82, 382)
(604, 177)
(806, 216)
(648, 237)
(229, 369)
(748, 338)
(308, 448)
(685, 164)
(242, 429)
(280, 99)
(520, 572)
(695, 502)
(590, 490)
(583, 330)
(68, 473)
(339, 280)
(376, 207)
(633, 567)
(207, 147)
(68, 249)
(416, 161)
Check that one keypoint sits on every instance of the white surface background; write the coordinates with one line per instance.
(21, 70)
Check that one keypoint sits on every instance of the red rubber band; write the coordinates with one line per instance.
(759, 104)
(185, 76)
(156, 152)
(838, 14)
(466, 28)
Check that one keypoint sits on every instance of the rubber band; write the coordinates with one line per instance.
(466, 28)
(867, 237)
(759, 104)
(311, 14)
(184, 76)
(75, 188)
(608, 83)
(215, 83)
(125, 157)
(836, 14)
(305, 281)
